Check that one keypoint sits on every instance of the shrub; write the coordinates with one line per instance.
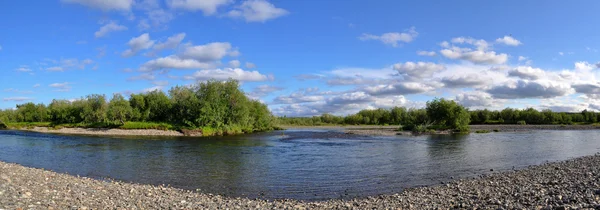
(482, 131)
(521, 122)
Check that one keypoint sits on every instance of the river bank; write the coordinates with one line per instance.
(392, 130)
(105, 131)
(568, 184)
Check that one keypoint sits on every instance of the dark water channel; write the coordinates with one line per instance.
(303, 164)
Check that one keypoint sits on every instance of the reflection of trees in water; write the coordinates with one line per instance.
(443, 145)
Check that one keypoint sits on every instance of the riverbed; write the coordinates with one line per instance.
(303, 164)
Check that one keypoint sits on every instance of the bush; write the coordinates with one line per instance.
(482, 131)
(521, 122)
(3, 126)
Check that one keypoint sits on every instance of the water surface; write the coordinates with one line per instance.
(300, 164)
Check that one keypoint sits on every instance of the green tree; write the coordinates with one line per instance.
(119, 109)
(448, 113)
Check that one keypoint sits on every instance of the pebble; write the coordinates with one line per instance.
(560, 185)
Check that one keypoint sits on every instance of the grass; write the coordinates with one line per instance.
(482, 131)
(28, 125)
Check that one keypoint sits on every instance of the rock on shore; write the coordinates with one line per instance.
(569, 184)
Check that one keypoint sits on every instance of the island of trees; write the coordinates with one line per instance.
(222, 108)
(212, 108)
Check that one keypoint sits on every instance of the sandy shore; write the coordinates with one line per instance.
(106, 132)
(562, 185)
(392, 130)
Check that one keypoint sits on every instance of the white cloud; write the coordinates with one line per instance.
(530, 89)
(509, 40)
(18, 91)
(263, 90)
(208, 52)
(583, 65)
(476, 100)
(527, 72)
(171, 42)
(123, 5)
(250, 65)
(146, 76)
(174, 62)
(155, 88)
(136, 44)
(463, 81)
(400, 88)
(234, 64)
(36, 86)
(478, 56)
(108, 28)
(481, 44)
(419, 70)
(55, 68)
(24, 69)
(160, 83)
(392, 38)
(227, 73)
(61, 87)
(257, 11)
(426, 53)
(18, 99)
(208, 7)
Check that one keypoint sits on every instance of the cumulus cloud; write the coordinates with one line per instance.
(70, 63)
(419, 70)
(146, 76)
(208, 7)
(530, 89)
(263, 90)
(208, 52)
(108, 28)
(297, 97)
(61, 87)
(401, 88)
(18, 99)
(477, 56)
(527, 72)
(475, 99)
(171, 42)
(250, 65)
(590, 88)
(426, 53)
(228, 73)
(463, 81)
(257, 11)
(136, 44)
(123, 5)
(24, 69)
(392, 38)
(174, 62)
(583, 65)
(479, 43)
(509, 40)
(234, 64)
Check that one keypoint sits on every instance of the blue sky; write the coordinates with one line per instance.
(307, 57)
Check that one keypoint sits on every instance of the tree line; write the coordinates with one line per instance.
(214, 105)
(412, 116)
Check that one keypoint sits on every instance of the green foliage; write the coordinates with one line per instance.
(217, 108)
(448, 113)
(119, 109)
(3, 125)
(521, 122)
(482, 131)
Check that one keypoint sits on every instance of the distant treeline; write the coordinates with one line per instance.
(215, 106)
(404, 116)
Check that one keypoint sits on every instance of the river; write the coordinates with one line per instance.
(298, 164)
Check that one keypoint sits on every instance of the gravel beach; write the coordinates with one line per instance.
(572, 184)
(106, 132)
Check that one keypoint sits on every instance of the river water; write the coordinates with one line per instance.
(299, 164)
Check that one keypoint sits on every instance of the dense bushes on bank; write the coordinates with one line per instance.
(214, 106)
(423, 119)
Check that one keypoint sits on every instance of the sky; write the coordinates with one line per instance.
(306, 58)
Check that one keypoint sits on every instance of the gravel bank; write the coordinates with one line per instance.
(106, 132)
(563, 185)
